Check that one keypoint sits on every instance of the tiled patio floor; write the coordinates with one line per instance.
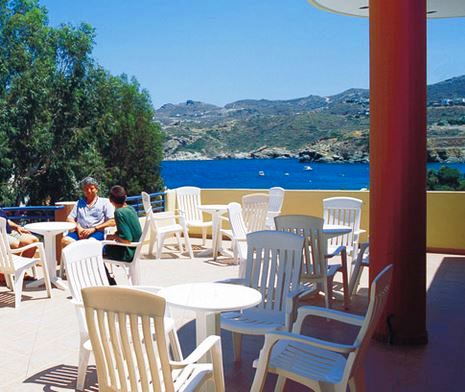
(39, 341)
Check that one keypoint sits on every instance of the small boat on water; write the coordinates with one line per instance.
(261, 173)
(308, 168)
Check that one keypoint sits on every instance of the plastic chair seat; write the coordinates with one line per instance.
(170, 229)
(307, 362)
(253, 321)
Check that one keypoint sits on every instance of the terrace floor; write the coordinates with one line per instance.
(39, 341)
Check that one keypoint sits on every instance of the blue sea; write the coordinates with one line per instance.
(287, 173)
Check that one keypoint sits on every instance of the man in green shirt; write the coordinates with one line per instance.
(128, 228)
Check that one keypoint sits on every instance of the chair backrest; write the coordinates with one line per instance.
(276, 199)
(379, 291)
(254, 211)
(237, 221)
(162, 219)
(122, 323)
(309, 227)
(6, 261)
(146, 202)
(143, 237)
(274, 262)
(84, 266)
(344, 211)
(188, 199)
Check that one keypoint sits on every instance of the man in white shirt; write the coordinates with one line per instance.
(91, 214)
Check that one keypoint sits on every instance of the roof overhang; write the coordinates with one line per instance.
(435, 8)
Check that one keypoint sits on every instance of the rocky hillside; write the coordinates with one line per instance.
(313, 128)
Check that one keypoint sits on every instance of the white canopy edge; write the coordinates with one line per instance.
(435, 8)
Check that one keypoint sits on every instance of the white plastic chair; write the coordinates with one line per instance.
(275, 203)
(254, 211)
(14, 267)
(121, 323)
(85, 268)
(316, 271)
(363, 260)
(188, 199)
(274, 261)
(164, 225)
(319, 364)
(133, 267)
(344, 211)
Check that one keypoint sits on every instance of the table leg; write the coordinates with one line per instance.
(215, 234)
(207, 324)
(51, 261)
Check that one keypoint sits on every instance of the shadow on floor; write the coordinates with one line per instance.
(63, 376)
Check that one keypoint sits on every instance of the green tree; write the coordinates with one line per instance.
(63, 117)
(445, 179)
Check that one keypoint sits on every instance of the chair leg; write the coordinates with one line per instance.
(355, 278)
(280, 382)
(175, 345)
(153, 237)
(134, 273)
(204, 236)
(188, 243)
(18, 286)
(48, 285)
(237, 342)
(9, 281)
(160, 240)
(84, 355)
(345, 280)
(328, 292)
(178, 238)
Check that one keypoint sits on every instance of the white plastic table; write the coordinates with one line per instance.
(216, 210)
(208, 300)
(50, 230)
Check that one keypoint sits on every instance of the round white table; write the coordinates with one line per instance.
(208, 300)
(50, 230)
(216, 210)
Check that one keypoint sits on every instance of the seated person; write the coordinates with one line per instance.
(18, 236)
(91, 214)
(127, 225)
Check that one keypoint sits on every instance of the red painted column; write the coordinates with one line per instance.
(398, 163)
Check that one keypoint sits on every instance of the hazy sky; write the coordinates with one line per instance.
(220, 51)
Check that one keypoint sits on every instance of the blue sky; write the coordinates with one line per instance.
(220, 51)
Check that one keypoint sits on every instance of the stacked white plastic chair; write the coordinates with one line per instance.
(132, 267)
(121, 324)
(344, 211)
(316, 272)
(274, 262)
(14, 266)
(319, 364)
(164, 225)
(188, 200)
(85, 268)
(275, 203)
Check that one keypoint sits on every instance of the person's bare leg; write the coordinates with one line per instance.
(65, 241)
(27, 241)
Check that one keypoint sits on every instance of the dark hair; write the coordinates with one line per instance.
(118, 194)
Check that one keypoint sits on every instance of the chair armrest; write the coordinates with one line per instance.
(131, 244)
(210, 343)
(233, 281)
(274, 337)
(292, 300)
(38, 245)
(343, 317)
(361, 231)
(336, 252)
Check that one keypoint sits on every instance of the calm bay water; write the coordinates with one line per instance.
(287, 173)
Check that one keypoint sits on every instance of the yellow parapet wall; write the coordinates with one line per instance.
(445, 214)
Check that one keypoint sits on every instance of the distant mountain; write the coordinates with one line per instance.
(333, 128)
(453, 88)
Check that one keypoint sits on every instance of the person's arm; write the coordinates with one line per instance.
(18, 228)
